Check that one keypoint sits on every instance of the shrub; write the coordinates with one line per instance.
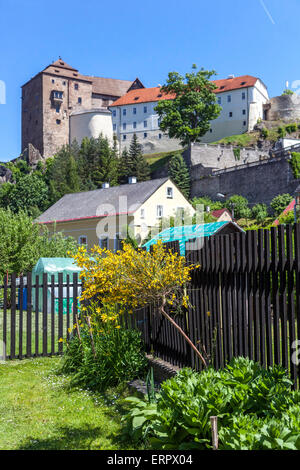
(295, 164)
(256, 409)
(288, 218)
(106, 357)
(290, 128)
(240, 206)
(264, 132)
(280, 202)
(260, 212)
(281, 132)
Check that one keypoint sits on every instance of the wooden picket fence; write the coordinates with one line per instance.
(35, 314)
(245, 301)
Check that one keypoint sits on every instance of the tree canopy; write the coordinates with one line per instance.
(187, 117)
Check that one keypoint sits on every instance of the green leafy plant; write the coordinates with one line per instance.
(280, 202)
(295, 164)
(256, 409)
(100, 355)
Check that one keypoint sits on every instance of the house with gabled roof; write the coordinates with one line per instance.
(241, 99)
(101, 217)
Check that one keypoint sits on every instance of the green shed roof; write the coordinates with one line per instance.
(185, 233)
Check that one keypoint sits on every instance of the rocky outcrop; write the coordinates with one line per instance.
(5, 175)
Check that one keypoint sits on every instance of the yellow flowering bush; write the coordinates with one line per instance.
(133, 278)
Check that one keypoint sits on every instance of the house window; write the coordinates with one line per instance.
(79, 100)
(228, 98)
(145, 124)
(114, 113)
(124, 137)
(76, 86)
(243, 95)
(124, 112)
(244, 111)
(230, 114)
(115, 127)
(82, 240)
(103, 242)
(117, 242)
(124, 126)
(145, 109)
(145, 135)
(159, 212)
(134, 110)
(170, 193)
(134, 125)
(142, 213)
(219, 100)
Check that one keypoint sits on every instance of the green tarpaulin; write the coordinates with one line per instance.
(53, 267)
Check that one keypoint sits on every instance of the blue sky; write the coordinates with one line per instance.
(146, 39)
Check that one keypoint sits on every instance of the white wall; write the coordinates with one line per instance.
(90, 124)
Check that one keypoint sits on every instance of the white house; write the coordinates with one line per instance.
(241, 98)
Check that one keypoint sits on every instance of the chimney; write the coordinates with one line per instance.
(132, 179)
(231, 76)
(105, 185)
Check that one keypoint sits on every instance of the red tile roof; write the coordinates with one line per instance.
(143, 95)
(235, 83)
(219, 212)
(147, 95)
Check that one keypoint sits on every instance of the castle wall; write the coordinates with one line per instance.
(221, 156)
(259, 182)
(284, 107)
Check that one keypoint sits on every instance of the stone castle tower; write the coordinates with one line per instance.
(50, 98)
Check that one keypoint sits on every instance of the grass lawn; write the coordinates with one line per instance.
(39, 411)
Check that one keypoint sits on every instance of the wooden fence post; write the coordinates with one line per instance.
(214, 431)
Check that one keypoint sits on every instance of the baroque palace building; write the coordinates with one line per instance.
(60, 104)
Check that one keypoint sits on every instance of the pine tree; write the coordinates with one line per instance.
(73, 180)
(179, 174)
(138, 165)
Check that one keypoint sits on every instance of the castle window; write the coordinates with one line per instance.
(115, 127)
(145, 109)
(159, 136)
(244, 111)
(114, 113)
(145, 124)
(64, 83)
(145, 135)
(124, 137)
(124, 112)
(134, 111)
(244, 123)
(53, 81)
(79, 100)
(228, 98)
(57, 95)
(58, 121)
(76, 86)
(124, 126)
(243, 95)
(57, 108)
(230, 114)
(219, 100)
(134, 125)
